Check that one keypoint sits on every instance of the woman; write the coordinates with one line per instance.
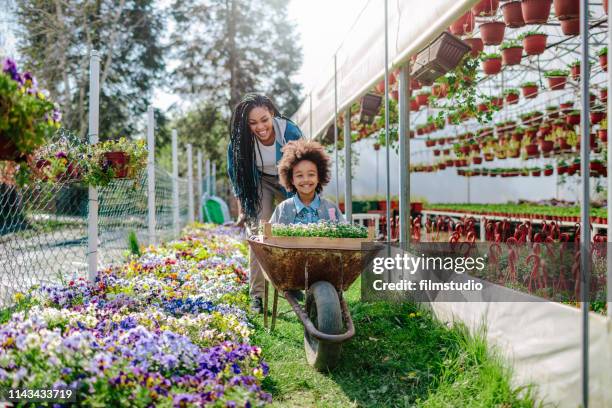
(257, 134)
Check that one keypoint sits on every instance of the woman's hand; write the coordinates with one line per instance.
(241, 221)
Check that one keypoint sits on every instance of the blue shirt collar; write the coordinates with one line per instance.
(299, 205)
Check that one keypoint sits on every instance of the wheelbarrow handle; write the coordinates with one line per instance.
(312, 330)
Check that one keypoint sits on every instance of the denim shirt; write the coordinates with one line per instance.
(293, 211)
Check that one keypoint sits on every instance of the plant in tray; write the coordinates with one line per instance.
(512, 52)
(491, 63)
(556, 78)
(603, 58)
(534, 42)
(320, 229)
(122, 158)
(530, 89)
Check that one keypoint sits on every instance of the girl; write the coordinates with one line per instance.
(257, 134)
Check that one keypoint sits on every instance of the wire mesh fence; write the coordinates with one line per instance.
(43, 227)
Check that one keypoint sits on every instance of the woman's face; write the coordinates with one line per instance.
(260, 122)
(305, 177)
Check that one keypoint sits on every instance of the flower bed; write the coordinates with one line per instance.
(166, 329)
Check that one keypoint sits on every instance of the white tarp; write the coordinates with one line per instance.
(360, 58)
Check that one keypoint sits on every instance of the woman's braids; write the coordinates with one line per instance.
(244, 171)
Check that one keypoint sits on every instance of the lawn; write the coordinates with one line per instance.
(400, 357)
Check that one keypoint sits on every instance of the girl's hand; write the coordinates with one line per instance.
(241, 221)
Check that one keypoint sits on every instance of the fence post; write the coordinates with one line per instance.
(199, 189)
(151, 173)
(190, 209)
(92, 213)
(175, 188)
(208, 192)
(214, 179)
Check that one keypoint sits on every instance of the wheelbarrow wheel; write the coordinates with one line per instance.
(323, 309)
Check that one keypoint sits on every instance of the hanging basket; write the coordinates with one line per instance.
(492, 66)
(476, 44)
(557, 82)
(370, 105)
(534, 44)
(118, 161)
(571, 26)
(8, 150)
(567, 9)
(463, 25)
(530, 92)
(512, 56)
(492, 33)
(513, 14)
(441, 56)
(535, 11)
(485, 8)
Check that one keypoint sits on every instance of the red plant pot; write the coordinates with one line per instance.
(512, 56)
(532, 150)
(422, 99)
(566, 107)
(394, 95)
(603, 61)
(566, 9)
(536, 173)
(548, 172)
(436, 152)
(476, 45)
(605, 6)
(597, 116)
(562, 170)
(476, 160)
(414, 105)
(492, 33)
(534, 44)
(483, 107)
(415, 85)
(547, 146)
(465, 149)
(535, 11)
(603, 95)
(570, 27)
(463, 25)
(573, 119)
(119, 163)
(489, 157)
(530, 92)
(512, 99)
(575, 72)
(513, 14)
(497, 101)
(486, 8)
(603, 135)
(380, 87)
(556, 83)
(492, 66)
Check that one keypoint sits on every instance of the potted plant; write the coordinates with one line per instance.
(492, 32)
(485, 8)
(114, 159)
(531, 150)
(548, 170)
(602, 133)
(58, 162)
(530, 90)
(423, 98)
(463, 25)
(603, 58)
(491, 64)
(552, 111)
(566, 9)
(27, 118)
(512, 96)
(476, 45)
(536, 171)
(603, 94)
(534, 42)
(567, 106)
(573, 118)
(511, 52)
(557, 78)
(570, 26)
(597, 114)
(513, 15)
(575, 70)
(562, 167)
(535, 11)
(414, 105)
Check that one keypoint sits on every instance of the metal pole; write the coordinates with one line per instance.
(175, 187)
(199, 188)
(208, 177)
(609, 233)
(387, 147)
(348, 189)
(92, 213)
(585, 236)
(336, 129)
(310, 117)
(151, 173)
(469, 198)
(404, 155)
(214, 179)
(190, 198)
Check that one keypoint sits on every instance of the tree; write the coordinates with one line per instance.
(226, 48)
(57, 37)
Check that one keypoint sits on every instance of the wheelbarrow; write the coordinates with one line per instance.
(324, 268)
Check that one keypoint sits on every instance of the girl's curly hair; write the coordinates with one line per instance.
(296, 151)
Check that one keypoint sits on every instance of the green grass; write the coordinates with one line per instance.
(572, 211)
(400, 357)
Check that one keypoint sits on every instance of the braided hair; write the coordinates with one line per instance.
(242, 141)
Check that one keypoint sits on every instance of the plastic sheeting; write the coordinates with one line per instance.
(360, 59)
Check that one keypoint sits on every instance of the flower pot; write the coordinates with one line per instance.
(415, 85)
(536, 173)
(440, 90)
(603, 62)
(492, 66)
(8, 150)
(380, 87)
(548, 172)
(476, 45)
(436, 152)
(492, 33)
(563, 145)
(573, 119)
(465, 150)
(513, 14)
(118, 161)
(603, 135)
(603, 95)
(463, 25)
(512, 56)
(430, 143)
(530, 92)
(489, 157)
(512, 99)
(414, 105)
(547, 146)
(485, 8)
(562, 170)
(605, 6)
(557, 82)
(497, 101)
(476, 160)
(567, 9)
(483, 107)
(597, 116)
(532, 150)
(567, 107)
(575, 72)
(534, 44)
(422, 99)
(570, 27)
(535, 11)
(394, 95)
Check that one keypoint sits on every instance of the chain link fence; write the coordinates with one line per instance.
(43, 227)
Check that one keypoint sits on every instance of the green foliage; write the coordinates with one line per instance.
(556, 73)
(492, 55)
(528, 83)
(133, 246)
(511, 91)
(320, 229)
(530, 33)
(510, 44)
(602, 52)
(575, 63)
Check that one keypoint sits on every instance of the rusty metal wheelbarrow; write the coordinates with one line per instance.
(324, 269)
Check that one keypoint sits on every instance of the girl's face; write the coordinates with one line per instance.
(305, 177)
(260, 123)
